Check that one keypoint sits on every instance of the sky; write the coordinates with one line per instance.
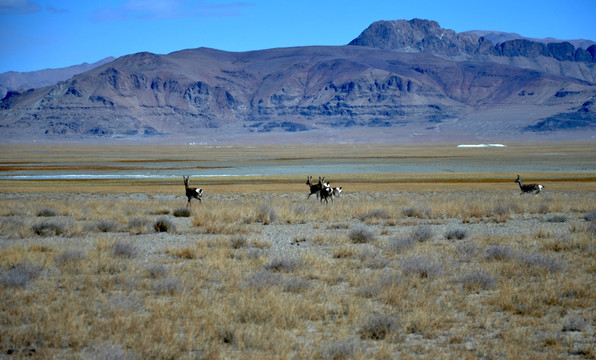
(39, 34)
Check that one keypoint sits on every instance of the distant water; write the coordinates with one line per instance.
(272, 169)
(94, 177)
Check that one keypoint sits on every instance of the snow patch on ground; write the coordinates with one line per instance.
(480, 145)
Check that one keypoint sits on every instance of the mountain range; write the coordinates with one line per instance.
(397, 81)
(15, 80)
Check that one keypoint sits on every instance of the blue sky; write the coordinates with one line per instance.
(38, 34)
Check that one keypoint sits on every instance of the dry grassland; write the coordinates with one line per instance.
(457, 266)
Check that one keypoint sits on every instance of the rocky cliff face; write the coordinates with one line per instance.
(427, 36)
(343, 92)
(557, 58)
(417, 36)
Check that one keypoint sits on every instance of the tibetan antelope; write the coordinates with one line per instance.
(192, 192)
(328, 192)
(337, 191)
(314, 188)
(529, 188)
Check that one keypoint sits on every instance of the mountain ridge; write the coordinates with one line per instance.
(315, 94)
(418, 35)
(16, 80)
(501, 36)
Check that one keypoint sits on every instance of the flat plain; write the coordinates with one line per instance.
(431, 251)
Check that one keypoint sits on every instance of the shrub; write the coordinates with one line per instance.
(128, 302)
(138, 225)
(361, 236)
(187, 252)
(574, 323)
(422, 234)
(422, 266)
(339, 350)
(14, 226)
(591, 228)
(283, 264)
(182, 212)
(378, 327)
(238, 242)
(500, 210)
(160, 212)
(124, 250)
(169, 285)
(401, 244)
(415, 212)
(557, 219)
(498, 252)
(373, 259)
(266, 214)
(164, 225)
(343, 252)
(590, 216)
(296, 285)
(376, 213)
(466, 249)
(254, 253)
(157, 270)
(107, 226)
(368, 291)
(378, 262)
(20, 275)
(539, 260)
(108, 351)
(46, 212)
(478, 280)
(300, 210)
(262, 279)
(390, 280)
(226, 335)
(48, 229)
(456, 234)
(543, 209)
(70, 256)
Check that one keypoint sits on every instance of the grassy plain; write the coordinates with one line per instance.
(426, 265)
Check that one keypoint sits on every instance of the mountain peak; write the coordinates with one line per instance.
(416, 35)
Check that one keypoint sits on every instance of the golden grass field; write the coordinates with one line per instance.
(446, 265)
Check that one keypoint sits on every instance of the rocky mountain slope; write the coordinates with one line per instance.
(500, 37)
(556, 57)
(398, 81)
(15, 80)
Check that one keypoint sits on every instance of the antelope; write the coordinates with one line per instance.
(191, 192)
(337, 191)
(314, 188)
(529, 188)
(328, 192)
